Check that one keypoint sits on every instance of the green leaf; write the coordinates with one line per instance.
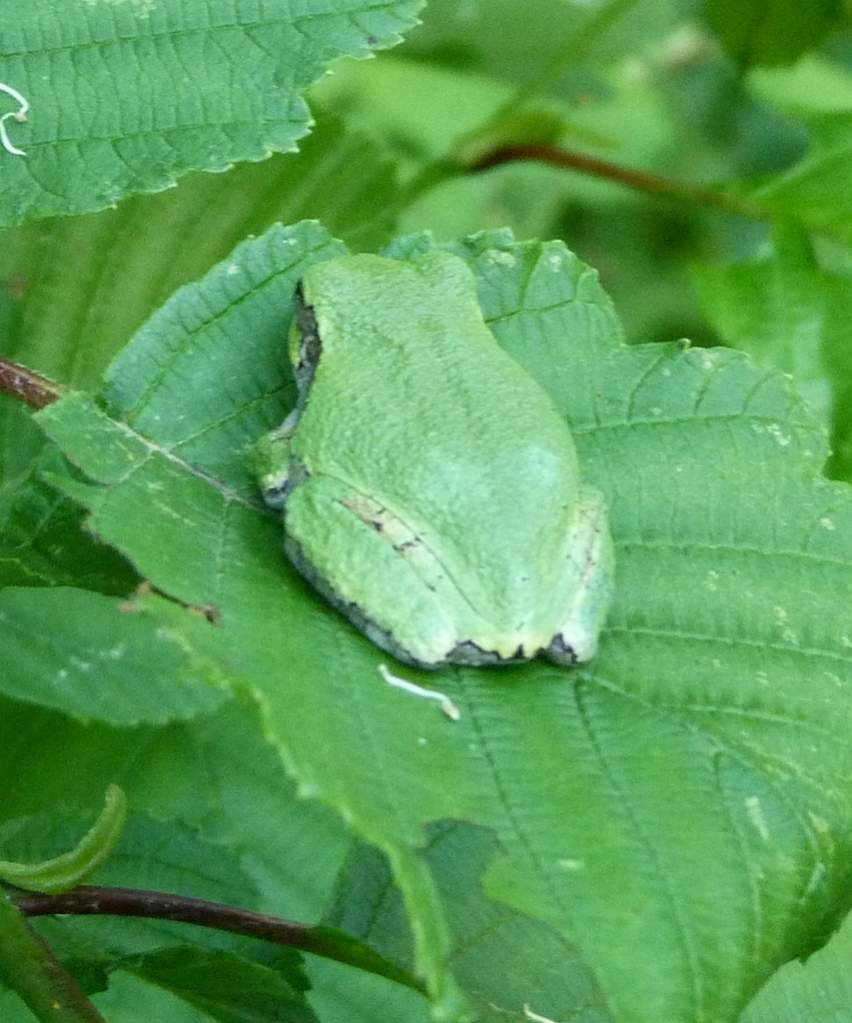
(685, 791)
(132, 1000)
(42, 541)
(815, 84)
(342, 995)
(505, 959)
(819, 990)
(101, 658)
(771, 31)
(127, 98)
(789, 313)
(224, 986)
(817, 191)
(248, 295)
(775, 310)
(66, 871)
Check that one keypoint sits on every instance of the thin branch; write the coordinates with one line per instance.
(21, 383)
(437, 171)
(652, 184)
(95, 900)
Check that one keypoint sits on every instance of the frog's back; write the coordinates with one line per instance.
(463, 446)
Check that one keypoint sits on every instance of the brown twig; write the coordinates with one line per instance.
(652, 184)
(89, 900)
(22, 383)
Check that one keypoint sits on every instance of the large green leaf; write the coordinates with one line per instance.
(686, 791)
(126, 98)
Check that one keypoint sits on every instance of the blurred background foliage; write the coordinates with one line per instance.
(719, 93)
(653, 88)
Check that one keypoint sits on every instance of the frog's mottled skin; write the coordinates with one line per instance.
(430, 488)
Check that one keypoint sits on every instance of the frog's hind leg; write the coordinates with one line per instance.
(588, 583)
(370, 565)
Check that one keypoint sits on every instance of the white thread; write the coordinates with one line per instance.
(447, 705)
(19, 115)
(535, 1016)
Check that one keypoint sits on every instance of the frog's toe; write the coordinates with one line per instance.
(571, 650)
(470, 652)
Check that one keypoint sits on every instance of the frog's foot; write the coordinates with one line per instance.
(472, 653)
(271, 462)
(590, 584)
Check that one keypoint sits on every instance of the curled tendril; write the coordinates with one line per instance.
(66, 871)
(19, 115)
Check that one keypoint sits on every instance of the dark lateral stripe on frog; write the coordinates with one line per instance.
(378, 517)
(381, 637)
(466, 652)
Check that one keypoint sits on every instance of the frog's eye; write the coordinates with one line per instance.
(305, 345)
(19, 115)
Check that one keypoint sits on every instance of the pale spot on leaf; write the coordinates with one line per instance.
(755, 815)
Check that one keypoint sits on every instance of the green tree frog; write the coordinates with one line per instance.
(430, 488)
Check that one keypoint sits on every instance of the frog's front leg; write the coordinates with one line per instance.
(588, 583)
(372, 566)
(271, 462)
